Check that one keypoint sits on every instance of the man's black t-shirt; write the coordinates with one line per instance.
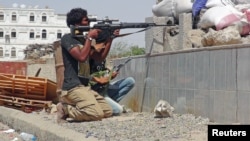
(96, 66)
(71, 79)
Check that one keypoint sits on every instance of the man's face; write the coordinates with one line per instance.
(85, 21)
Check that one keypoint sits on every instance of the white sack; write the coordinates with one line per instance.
(172, 8)
(164, 8)
(214, 3)
(241, 1)
(243, 25)
(220, 17)
(183, 6)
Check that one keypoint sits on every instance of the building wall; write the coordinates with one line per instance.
(47, 69)
(55, 23)
(9, 67)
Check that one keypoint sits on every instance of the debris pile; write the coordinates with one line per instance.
(36, 51)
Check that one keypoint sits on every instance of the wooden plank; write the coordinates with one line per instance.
(2, 76)
(29, 81)
(6, 86)
(51, 91)
(8, 83)
(24, 101)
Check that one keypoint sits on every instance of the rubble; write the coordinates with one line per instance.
(36, 51)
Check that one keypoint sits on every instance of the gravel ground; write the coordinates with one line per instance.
(144, 127)
(131, 127)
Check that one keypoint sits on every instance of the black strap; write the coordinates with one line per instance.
(122, 35)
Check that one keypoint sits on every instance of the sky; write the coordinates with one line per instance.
(124, 10)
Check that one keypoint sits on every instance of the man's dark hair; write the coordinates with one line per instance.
(74, 16)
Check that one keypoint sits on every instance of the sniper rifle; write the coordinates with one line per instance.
(106, 24)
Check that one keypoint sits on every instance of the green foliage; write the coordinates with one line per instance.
(136, 50)
(122, 49)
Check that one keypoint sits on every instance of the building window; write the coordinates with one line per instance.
(32, 34)
(6, 54)
(44, 18)
(32, 17)
(1, 16)
(13, 52)
(1, 52)
(59, 34)
(44, 34)
(1, 33)
(13, 16)
(13, 33)
(7, 39)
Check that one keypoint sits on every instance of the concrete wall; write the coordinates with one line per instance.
(210, 82)
(47, 69)
(158, 39)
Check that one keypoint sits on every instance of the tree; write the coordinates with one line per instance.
(122, 49)
(136, 50)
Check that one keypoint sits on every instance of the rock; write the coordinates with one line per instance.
(229, 35)
(195, 36)
(163, 109)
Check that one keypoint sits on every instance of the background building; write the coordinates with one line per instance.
(23, 25)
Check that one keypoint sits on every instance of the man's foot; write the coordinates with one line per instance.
(61, 116)
(126, 110)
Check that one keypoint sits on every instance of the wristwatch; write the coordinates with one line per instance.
(90, 38)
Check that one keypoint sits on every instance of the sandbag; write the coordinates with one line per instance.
(243, 25)
(164, 8)
(241, 1)
(214, 3)
(220, 17)
(242, 7)
(183, 6)
(171, 8)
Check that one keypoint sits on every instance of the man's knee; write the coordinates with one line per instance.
(91, 112)
(96, 117)
(131, 81)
